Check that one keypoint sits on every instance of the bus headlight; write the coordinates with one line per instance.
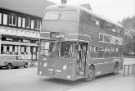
(68, 77)
(44, 59)
(40, 72)
(45, 64)
(64, 67)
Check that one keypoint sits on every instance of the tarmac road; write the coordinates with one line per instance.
(27, 80)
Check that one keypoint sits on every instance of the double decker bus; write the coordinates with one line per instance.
(76, 43)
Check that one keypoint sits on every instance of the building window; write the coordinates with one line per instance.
(97, 22)
(16, 49)
(113, 30)
(14, 20)
(10, 19)
(32, 24)
(5, 18)
(117, 50)
(3, 49)
(28, 50)
(22, 50)
(23, 22)
(37, 24)
(10, 49)
(0, 18)
(101, 37)
(19, 21)
(28, 23)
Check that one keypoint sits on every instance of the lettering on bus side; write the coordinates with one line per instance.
(104, 51)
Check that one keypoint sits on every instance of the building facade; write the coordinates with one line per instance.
(19, 34)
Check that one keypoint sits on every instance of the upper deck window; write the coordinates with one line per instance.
(61, 15)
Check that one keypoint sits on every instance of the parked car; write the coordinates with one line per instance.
(11, 61)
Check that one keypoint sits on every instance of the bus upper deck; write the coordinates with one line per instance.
(69, 19)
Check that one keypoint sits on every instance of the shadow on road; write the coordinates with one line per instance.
(77, 82)
(66, 82)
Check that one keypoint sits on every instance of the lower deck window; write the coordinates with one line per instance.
(101, 52)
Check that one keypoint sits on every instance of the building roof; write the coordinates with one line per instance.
(32, 7)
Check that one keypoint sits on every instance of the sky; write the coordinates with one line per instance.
(115, 10)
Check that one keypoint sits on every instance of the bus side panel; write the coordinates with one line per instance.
(104, 67)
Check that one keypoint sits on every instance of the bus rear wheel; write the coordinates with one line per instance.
(91, 73)
(116, 68)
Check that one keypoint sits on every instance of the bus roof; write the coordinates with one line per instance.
(77, 8)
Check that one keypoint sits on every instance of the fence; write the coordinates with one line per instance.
(128, 70)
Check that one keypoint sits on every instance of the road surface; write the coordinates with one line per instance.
(27, 80)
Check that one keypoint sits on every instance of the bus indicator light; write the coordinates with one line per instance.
(45, 64)
(44, 59)
(64, 67)
(58, 70)
(50, 69)
(68, 77)
(40, 72)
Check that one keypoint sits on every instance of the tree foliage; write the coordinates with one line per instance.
(129, 25)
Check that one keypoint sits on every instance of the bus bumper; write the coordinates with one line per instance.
(57, 74)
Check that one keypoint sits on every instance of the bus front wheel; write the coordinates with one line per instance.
(9, 66)
(91, 73)
(26, 65)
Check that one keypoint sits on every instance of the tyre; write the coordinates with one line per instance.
(26, 65)
(116, 68)
(91, 74)
(9, 66)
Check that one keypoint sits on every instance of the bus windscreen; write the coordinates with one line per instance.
(63, 49)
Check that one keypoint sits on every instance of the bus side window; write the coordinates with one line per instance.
(117, 52)
(90, 51)
(99, 52)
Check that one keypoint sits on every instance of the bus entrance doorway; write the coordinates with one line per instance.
(81, 58)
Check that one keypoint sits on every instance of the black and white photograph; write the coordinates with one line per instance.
(67, 45)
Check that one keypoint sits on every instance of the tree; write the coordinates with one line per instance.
(129, 25)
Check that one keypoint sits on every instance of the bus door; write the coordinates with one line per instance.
(81, 58)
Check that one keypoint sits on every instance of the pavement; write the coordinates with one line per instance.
(110, 84)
